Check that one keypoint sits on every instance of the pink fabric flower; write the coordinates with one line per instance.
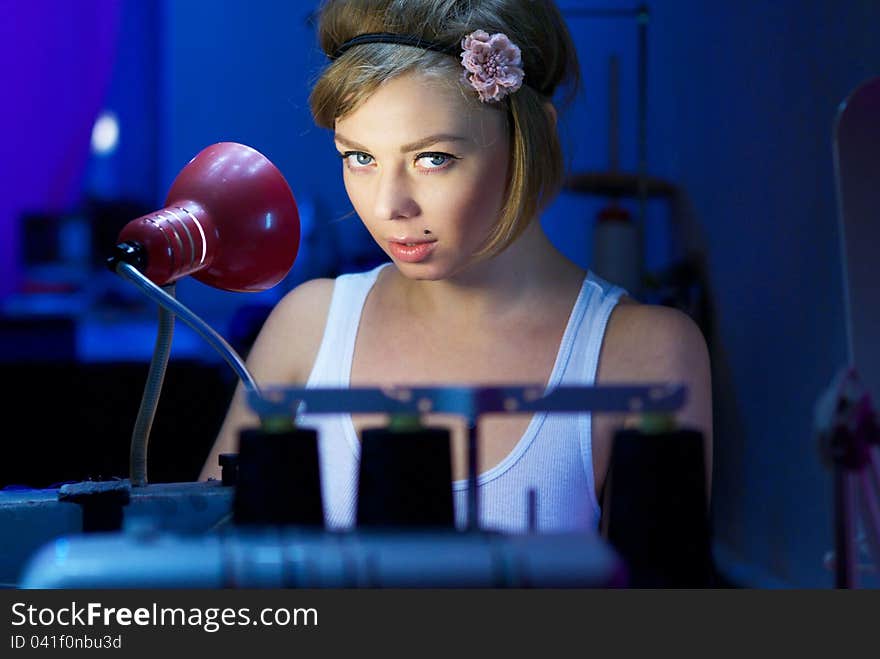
(493, 65)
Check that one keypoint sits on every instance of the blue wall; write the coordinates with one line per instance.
(744, 96)
(55, 66)
(741, 100)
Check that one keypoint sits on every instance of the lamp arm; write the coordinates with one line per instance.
(216, 341)
(169, 307)
(140, 436)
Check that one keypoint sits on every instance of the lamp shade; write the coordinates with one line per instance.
(230, 220)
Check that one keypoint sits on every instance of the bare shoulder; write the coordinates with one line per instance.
(312, 295)
(291, 336)
(283, 353)
(646, 341)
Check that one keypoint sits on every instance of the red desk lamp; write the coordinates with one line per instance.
(230, 220)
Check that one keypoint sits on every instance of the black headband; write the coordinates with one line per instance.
(401, 39)
(405, 40)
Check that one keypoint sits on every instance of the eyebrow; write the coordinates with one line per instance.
(413, 146)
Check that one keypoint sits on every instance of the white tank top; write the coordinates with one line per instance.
(553, 457)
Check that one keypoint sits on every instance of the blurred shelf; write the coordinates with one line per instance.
(93, 336)
(617, 184)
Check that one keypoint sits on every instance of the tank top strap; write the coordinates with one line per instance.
(595, 304)
(332, 367)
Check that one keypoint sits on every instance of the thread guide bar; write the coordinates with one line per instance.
(469, 402)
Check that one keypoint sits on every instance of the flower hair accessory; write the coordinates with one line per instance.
(493, 65)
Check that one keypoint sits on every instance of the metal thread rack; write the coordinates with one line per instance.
(471, 403)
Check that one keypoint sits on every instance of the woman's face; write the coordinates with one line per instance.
(426, 172)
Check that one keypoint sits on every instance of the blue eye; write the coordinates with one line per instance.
(434, 160)
(357, 159)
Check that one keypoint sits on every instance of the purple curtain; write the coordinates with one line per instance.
(56, 59)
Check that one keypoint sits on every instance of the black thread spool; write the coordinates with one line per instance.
(655, 511)
(405, 479)
(278, 478)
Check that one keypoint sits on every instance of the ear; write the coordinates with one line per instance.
(551, 111)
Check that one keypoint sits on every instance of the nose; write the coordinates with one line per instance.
(394, 199)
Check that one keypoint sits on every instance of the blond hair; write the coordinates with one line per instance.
(536, 168)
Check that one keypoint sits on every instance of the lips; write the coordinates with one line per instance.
(411, 250)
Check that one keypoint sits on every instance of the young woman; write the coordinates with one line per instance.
(442, 112)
